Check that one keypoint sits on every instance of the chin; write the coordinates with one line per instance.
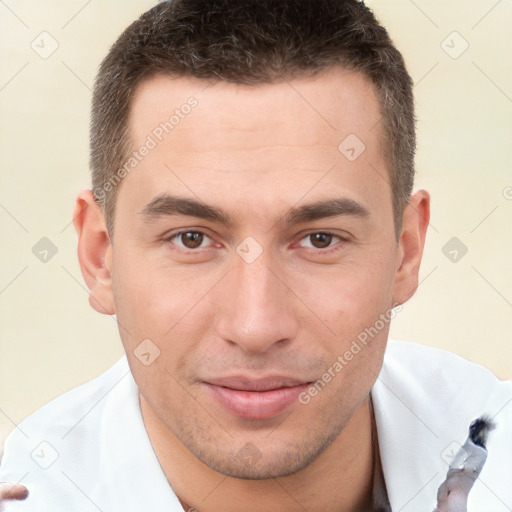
(263, 469)
(262, 460)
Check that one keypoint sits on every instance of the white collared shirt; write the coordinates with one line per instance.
(88, 449)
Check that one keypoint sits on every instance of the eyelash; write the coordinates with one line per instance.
(169, 239)
(329, 249)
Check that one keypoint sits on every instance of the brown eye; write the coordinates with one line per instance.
(320, 240)
(191, 239)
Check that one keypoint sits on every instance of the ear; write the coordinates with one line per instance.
(94, 252)
(416, 216)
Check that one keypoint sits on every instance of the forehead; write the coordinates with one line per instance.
(269, 139)
(326, 105)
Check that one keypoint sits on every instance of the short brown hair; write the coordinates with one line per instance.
(250, 42)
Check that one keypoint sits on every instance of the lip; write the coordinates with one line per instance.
(256, 399)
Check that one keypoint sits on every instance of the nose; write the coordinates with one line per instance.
(256, 307)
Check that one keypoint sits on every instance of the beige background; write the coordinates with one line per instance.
(51, 340)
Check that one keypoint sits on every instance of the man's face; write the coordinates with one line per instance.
(256, 292)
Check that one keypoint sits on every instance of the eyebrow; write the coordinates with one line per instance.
(327, 208)
(169, 205)
(166, 204)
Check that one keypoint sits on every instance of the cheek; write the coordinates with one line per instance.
(151, 310)
(150, 297)
(350, 297)
(159, 312)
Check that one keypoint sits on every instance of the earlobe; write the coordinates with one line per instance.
(416, 217)
(94, 252)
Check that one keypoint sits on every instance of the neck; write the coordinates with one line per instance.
(339, 480)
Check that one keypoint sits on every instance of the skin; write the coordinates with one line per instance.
(12, 492)
(254, 152)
